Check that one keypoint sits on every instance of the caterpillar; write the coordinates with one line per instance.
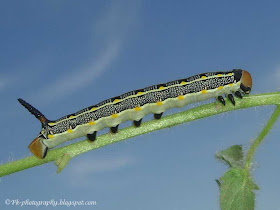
(134, 105)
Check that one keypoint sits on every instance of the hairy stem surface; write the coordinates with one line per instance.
(261, 136)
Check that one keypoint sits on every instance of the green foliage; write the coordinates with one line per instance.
(237, 185)
(233, 156)
(62, 162)
(236, 190)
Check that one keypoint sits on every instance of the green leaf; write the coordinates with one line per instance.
(62, 162)
(233, 156)
(236, 190)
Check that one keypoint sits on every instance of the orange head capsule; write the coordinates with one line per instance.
(246, 82)
(38, 148)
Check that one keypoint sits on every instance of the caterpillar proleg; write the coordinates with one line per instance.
(136, 104)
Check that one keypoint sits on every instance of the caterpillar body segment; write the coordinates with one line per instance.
(134, 105)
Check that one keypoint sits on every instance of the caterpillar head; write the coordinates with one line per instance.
(246, 82)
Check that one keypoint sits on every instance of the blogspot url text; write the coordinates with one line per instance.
(52, 202)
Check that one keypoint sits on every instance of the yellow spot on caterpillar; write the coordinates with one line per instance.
(116, 100)
(139, 93)
(229, 74)
(230, 84)
(50, 136)
(180, 97)
(71, 117)
(161, 88)
(91, 123)
(159, 103)
(203, 77)
(69, 131)
(220, 87)
(219, 75)
(204, 91)
(51, 124)
(183, 83)
(93, 108)
(114, 115)
(137, 108)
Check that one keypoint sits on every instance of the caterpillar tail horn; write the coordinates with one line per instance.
(34, 112)
(37, 146)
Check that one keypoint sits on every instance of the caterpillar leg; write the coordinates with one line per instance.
(157, 116)
(114, 129)
(238, 94)
(231, 98)
(137, 123)
(91, 136)
(222, 100)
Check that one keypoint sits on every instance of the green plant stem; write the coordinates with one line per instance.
(261, 136)
(153, 125)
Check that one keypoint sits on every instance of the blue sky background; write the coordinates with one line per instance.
(62, 56)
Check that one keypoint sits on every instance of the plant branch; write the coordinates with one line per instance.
(62, 155)
(261, 136)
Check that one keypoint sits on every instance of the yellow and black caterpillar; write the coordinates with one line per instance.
(134, 105)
